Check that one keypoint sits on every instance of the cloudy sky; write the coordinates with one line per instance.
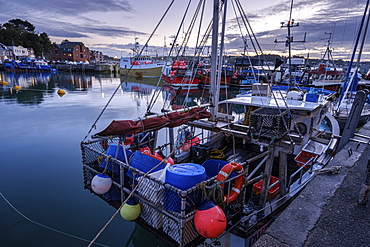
(111, 26)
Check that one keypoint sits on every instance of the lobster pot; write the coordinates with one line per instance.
(183, 177)
(174, 230)
(118, 154)
(152, 191)
(113, 194)
(269, 122)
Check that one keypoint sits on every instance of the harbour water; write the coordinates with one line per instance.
(41, 171)
(43, 201)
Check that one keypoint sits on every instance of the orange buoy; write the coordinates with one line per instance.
(209, 220)
(61, 92)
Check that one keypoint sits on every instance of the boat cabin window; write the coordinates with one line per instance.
(238, 112)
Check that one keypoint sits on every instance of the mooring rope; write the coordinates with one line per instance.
(128, 197)
(44, 226)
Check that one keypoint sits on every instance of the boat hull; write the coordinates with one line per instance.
(142, 72)
(181, 80)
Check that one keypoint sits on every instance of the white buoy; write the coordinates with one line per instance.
(101, 183)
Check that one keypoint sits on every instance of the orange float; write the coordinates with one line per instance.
(238, 184)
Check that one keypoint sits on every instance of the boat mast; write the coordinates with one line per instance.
(348, 81)
(214, 92)
(289, 40)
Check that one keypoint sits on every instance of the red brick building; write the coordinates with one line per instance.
(70, 51)
(96, 57)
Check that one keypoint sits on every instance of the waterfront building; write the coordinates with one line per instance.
(70, 51)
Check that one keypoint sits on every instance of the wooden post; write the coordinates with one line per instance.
(266, 180)
(365, 189)
(283, 165)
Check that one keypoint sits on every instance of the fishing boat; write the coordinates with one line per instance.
(346, 100)
(183, 73)
(327, 75)
(140, 65)
(217, 172)
(28, 65)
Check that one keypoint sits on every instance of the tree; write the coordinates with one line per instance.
(17, 32)
(22, 25)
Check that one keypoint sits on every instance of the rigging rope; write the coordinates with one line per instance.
(141, 51)
(42, 225)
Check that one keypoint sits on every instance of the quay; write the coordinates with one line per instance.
(109, 68)
(327, 212)
(100, 68)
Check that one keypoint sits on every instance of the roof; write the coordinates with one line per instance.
(65, 46)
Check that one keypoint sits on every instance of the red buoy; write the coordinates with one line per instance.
(209, 220)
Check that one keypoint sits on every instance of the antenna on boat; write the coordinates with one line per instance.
(328, 51)
(289, 40)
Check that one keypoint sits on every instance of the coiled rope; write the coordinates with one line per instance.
(44, 226)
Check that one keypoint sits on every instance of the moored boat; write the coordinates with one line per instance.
(139, 65)
(229, 166)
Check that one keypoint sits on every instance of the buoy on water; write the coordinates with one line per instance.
(4, 83)
(209, 219)
(61, 92)
(17, 88)
(101, 183)
(130, 210)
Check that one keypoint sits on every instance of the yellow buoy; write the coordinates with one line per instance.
(4, 83)
(61, 92)
(130, 210)
(17, 88)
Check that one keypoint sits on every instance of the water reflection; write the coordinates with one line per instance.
(42, 152)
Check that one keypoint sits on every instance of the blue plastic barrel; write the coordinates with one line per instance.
(213, 167)
(183, 176)
(112, 151)
(144, 163)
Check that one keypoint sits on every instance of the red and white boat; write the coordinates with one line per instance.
(183, 73)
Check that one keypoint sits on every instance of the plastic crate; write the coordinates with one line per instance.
(269, 122)
(257, 187)
(303, 157)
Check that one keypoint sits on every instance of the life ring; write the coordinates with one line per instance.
(225, 173)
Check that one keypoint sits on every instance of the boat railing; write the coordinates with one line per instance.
(301, 172)
(164, 208)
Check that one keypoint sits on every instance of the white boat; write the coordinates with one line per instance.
(139, 65)
(220, 171)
